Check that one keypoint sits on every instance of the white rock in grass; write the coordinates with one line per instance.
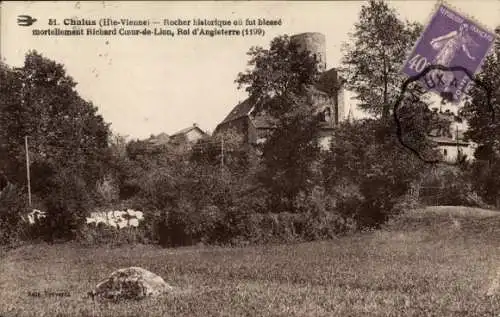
(131, 283)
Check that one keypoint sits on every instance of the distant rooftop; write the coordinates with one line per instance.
(186, 130)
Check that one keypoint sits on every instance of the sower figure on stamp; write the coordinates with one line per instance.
(448, 46)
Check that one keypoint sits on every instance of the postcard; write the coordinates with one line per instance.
(249, 158)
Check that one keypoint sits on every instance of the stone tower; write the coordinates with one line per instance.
(313, 42)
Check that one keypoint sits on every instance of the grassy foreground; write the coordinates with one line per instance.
(434, 262)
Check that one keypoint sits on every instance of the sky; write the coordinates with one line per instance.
(147, 85)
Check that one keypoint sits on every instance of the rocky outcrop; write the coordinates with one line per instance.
(130, 283)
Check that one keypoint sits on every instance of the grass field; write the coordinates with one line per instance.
(433, 262)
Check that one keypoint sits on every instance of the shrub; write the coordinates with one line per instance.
(237, 223)
(262, 228)
(366, 159)
(187, 224)
(447, 185)
(406, 202)
(92, 235)
(67, 203)
(322, 217)
(13, 229)
(249, 221)
(485, 180)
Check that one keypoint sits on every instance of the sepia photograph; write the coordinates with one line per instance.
(250, 158)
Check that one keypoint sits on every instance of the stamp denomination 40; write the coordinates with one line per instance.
(449, 40)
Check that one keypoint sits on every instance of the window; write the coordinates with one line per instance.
(327, 114)
(445, 152)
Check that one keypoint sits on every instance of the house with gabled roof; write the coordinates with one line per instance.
(450, 137)
(160, 139)
(327, 96)
(186, 136)
(189, 135)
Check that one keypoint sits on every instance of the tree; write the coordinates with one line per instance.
(366, 186)
(484, 126)
(366, 157)
(68, 139)
(10, 87)
(278, 75)
(372, 65)
(289, 157)
(278, 84)
(373, 58)
(64, 130)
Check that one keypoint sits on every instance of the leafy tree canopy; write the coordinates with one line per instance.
(39, 100)
(278, 84)
(278, 75)
(374, 56)
(484, 126)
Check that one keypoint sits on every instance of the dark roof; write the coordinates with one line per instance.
(327, 84)
(240, 110)
(448, 141)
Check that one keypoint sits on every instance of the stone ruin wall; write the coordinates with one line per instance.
(314, 43)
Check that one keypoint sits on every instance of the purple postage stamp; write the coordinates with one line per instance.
(450, 39)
